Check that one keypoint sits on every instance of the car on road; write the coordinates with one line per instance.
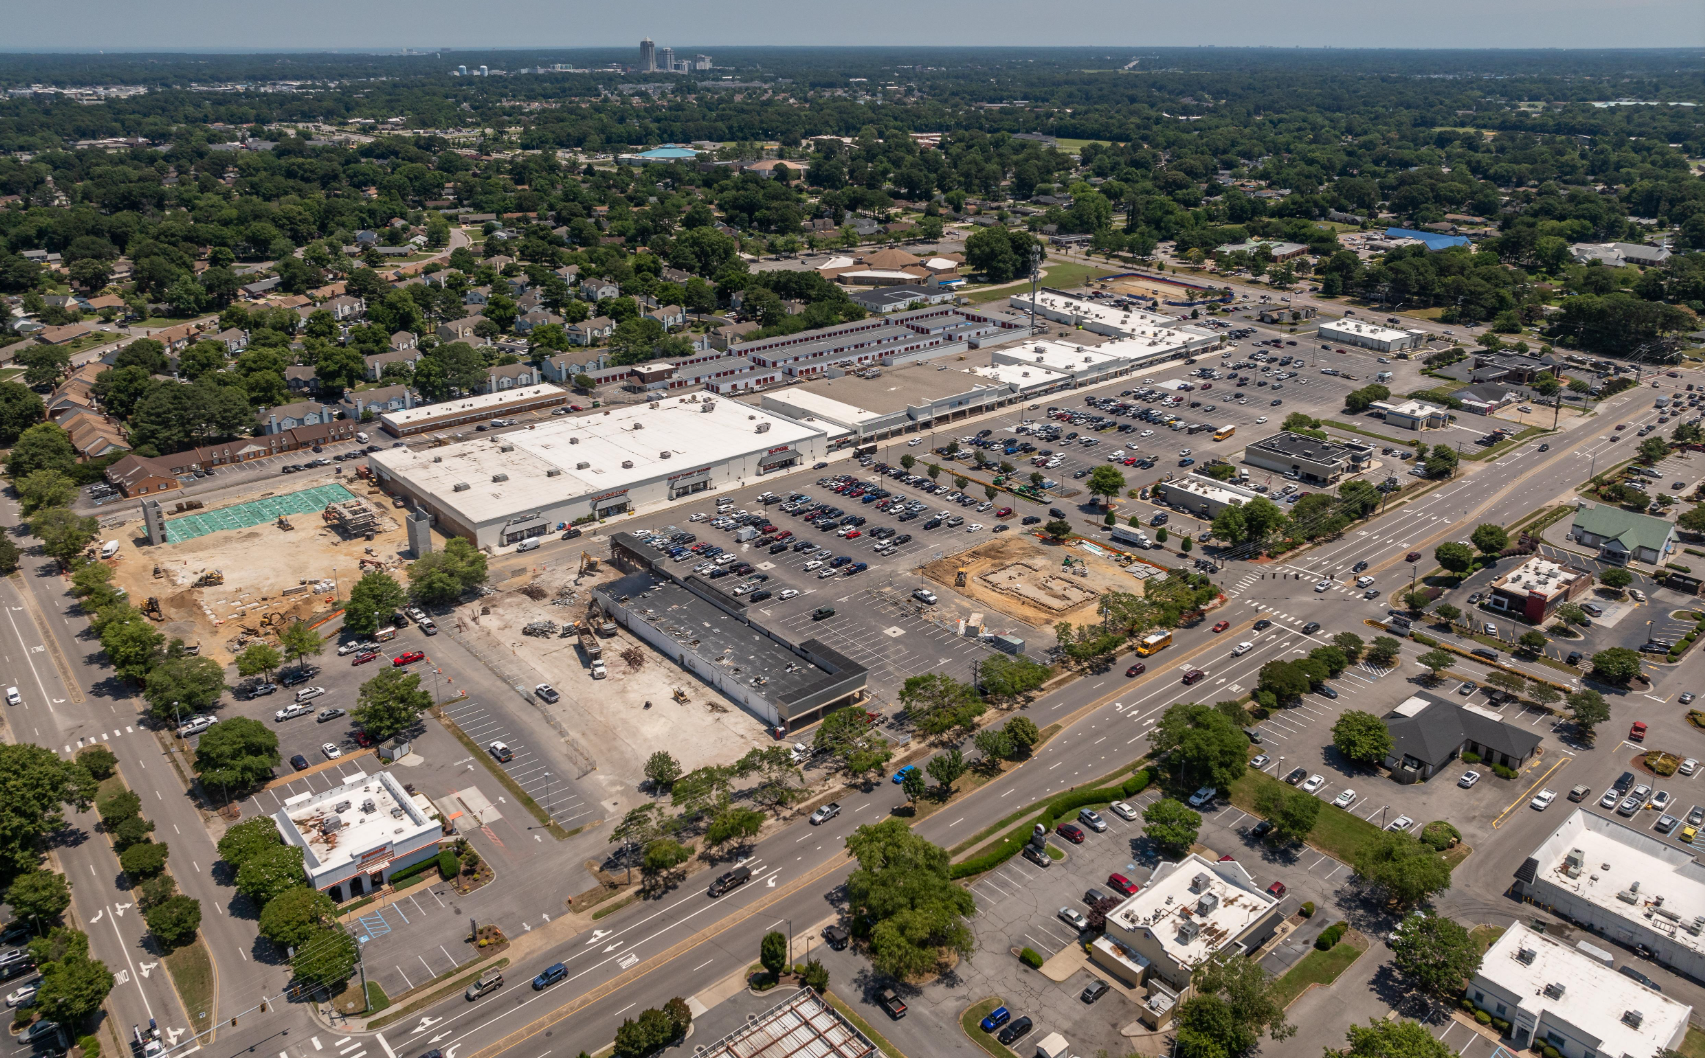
(501, 751)
(1413, 556)
(1074, 918)
(327, 715)
(1122, 884)
(551, 975)
(1469, 778)
(891, 1004)
(1262, 624)
(1323, 585)
(1400, 823)
(1345, 799)
(900, 776)
(330, 750)
(1358, 567)
(491, 981)
(1090, 818)
(1071, 832)
(1124, 811)
(1315, 782)
(1222, 626)
(299, 762)
(825, 813)
(1310, 628)
(1242, 649)
(408, 658)
(1136, 670)
(291, 712)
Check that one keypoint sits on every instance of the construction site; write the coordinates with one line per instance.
(243, 567)
(618, 694)
(1037, 583)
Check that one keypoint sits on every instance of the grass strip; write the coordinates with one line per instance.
(1485, 936)
(1693, 1045)
(1319, 968)
(1506, 444)
(1366, 433)
(501, 776)
(377, 1000)
(613, 908)
(1336, 832)
(863, 1026)
(1053, 809)
(191, 967)
(971, 1023)
(427, 1000)
(1001, 824)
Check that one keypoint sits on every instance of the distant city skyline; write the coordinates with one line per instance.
(170, 25)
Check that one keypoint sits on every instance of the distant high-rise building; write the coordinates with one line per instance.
(462, 70)
(666, 59)
(647, 55)
(484, 72)
(701, 62)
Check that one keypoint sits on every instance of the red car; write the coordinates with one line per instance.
(1637, 733)
(1003, 512)
(1123, 884)
(1136, 670)
(1071, 832)
(363, 739)
(1277, 889)
(1222, 626)
(854, 535)
(364, 658)
(1207, 385)
(408, 658)
(1622, 426)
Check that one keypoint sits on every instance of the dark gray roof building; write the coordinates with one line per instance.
(1429, 732)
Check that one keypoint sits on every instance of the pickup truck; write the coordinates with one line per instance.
(731, 880)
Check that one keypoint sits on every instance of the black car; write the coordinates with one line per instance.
(1261, 829)
(292, 677)
(1358, 567)
(1629, 971)
(891, 1004)
(1031, 519)
(1015, 1029)
(1624, 782)
(299, 762)
(1296, 776)
(1263, 623)
(1056, 512)
(1311, 628)
(822, 613)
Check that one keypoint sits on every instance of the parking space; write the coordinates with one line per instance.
(498, 735)
(411, 940)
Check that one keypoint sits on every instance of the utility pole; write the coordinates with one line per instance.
(1036, 256)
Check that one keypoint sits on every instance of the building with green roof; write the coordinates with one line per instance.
(1621, 536)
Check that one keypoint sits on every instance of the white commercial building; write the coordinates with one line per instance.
(1629, 885)
(505, 488)
(356, 834)
(1553, 993)
(1202, 496)
(1413, 414)
(1030, 381)
(1114, 320)
(1370, 336)
(469, 411)
(1086, 367)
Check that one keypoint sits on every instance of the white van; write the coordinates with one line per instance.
(109, 549)
(360, 436)
(530, 544)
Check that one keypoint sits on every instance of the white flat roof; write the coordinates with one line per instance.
(1023, 376)
(1135, 322)
(492, 402)
(1208, 488)
(544, 467)
(1365, 330)
(835, 411)
(1594, 998)
(371, 812)
(1061, 356)
(1419, 409)
(1172, 903)
(1666, 883)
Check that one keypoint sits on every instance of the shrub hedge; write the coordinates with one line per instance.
(1330, 937)
(1502, 772)
(1052, 811)
(1439, 835)
(1307, 909)
(1029, 958)
(1470, 757)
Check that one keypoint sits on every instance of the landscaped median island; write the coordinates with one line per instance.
(1051, 812)
(971, 1022)
(1320, 966)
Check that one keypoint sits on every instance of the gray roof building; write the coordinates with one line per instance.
(1428, 732)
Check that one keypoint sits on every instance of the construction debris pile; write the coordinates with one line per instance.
(352, 518)
(540, 629)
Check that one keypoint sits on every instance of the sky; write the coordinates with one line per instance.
(170, 25)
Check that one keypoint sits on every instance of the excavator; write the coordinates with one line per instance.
(212, 578)
(588, 564)
(959, 577)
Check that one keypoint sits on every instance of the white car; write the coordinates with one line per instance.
(1072, 917)
(23, 997)
(787, 593)
(1400, 823)
(699, 517)
(826, 572)
(974, 527)
(349, 648)
(1637, 595)
(914, 442)
(1688, 766)
(1242, 649)
(924, 595)
(330, 750)
(1124, 811)
(1324, 585)
(813, 564)
(1469, 778)
(13, 697)
(1611, 796)
(291, 712)
(1146, 433)
(1116, 455)
(1314, 782)
(1345, 799)
(1543, 800)
(1260, 420)
(1183, 451)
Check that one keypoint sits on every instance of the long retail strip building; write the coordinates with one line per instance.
(501, 489)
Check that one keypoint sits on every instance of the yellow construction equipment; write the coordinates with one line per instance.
(151, 609)
(284, 523)
(959, 577)
(588, 564)
(211, 578)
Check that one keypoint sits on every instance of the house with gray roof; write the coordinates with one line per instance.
(511, 376)
(1621, 536)
(377, 361)
(380, 400)
(1428, 732)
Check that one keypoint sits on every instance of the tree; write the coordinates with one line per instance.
(35, 784)
(1202, 746)
(73, 988)
(1489, 538)
(45, 488)
(144, 859)
(1454, 556)
(249, 839)
(290, 918)
(390, 703)
(441, 577)
(1383, 650)
(773, 953)
(1232, 1005)
(1588, 709)
(1292, 812)
(1350, 645)
(1416, 600)
(1405, 870)
(44, 365)
(1361, 737)
(946, 768)
(903, 888)
(99, 761)
(1058, 529)
(1106, 482)
(20, 409)
(661, 770)
(258, 658)
(1616, 577)
(1532, 641)
(271, 873)
(1024, 734)
(1437, 661)
(936, 703)
(298, 641)
(174, 920)
(39, 896)
(1360, 400)
(912, 785)
(236, 754)
(183, 686)
(1616, 665)
(1651, 450)
(1434, 955)
(43, 446)
(327, 958)
(1283, 681)
(734, 824)
(1543, 694)
(63, 535)
(1171, 825)
(9, 556)
(1394, 1039)
(371, 602)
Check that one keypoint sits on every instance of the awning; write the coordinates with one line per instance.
(784, 456)
(526, 527)
(689, 481)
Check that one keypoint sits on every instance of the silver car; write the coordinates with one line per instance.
(1074, 918)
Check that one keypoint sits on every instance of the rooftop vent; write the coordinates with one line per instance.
(574, 440)
(1555, 990)
(438, 459)
(639, 426)
(1525, 956)
(707, 405)
(461, 486)
(582, 465)
(653, 404)
(369, 805)
(627, 464)
(663, 454)
(500, 477)
(763, 427)
(506, 448)
(553, 472)
(341, 806)
(1632, 1018)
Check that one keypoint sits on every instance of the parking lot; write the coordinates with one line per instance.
(532, 771)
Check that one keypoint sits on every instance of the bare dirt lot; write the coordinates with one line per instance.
(609, 716)
(259, 564)
(1024, 578)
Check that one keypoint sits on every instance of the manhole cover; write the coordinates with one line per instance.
(894, 632)
(766, 565)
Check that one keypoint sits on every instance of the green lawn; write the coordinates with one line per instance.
(191, 967)
(1336, 833)
(1319, 968)
(970, 1022)
(1693, 1045)
(1071, 143)
(1485, 936)
(1061, 275)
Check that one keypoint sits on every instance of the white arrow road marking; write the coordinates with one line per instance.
(98, 915)
(172, 1036)
(547, 918)
(440, 1036)
(451, 1053)
(616, 945)
(772, 883)
(426, 1023)
(146, 967)
(598, 935)
(120, 909)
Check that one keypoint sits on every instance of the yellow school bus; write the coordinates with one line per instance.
(1224, 432)
(1152, 644)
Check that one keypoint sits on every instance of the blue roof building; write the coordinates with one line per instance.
(1432, 240)
(669, 152)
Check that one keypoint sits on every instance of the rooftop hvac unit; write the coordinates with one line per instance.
(438, 459)
(1207, 903)
(553, 472)
(639, 426)
(707, 406)
(582, 465)
(500, 477)
(1664, 912)
(653, 404)
(663, 454)
(574, 440)
(1199, 883)
(627, 464)
(506, 448)
(461, 486)
(369, 805)
(1696, 926)
(1555, 990)
(1188, 929)
(341, 806)
(1628, 896)
(763, 427)
(1525, 956)
(1632, 1018)
(331, 825)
